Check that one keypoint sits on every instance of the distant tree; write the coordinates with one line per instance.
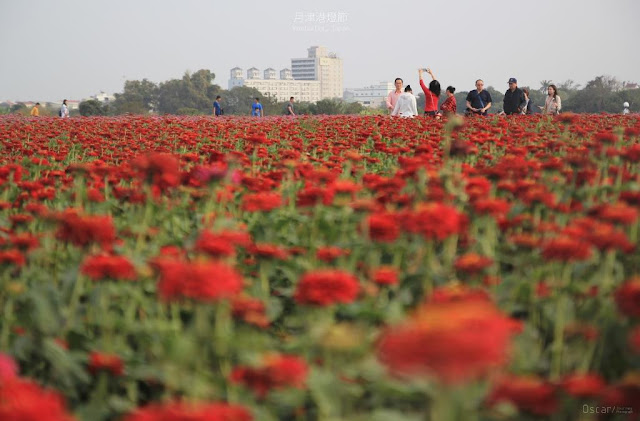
(544, 84)
(599, 95)
(138, 96)
(329, 107)
(92, 107)
(18, 109)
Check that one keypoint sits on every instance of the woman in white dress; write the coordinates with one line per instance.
(406, 106)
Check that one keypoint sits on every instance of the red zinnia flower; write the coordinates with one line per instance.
(263, 201)
(627, 297)
(583, 385)
(386, 275)
(13, 256)
(160, 169)
(106, 266)
(179, 411)
(566, 249)
(436, 221)
(250, 310)
(472, 263)
(108, 362)
(22, 400)
(278, 372)
(528, 394)
(326, 287)
(203, 281)
(455, 340)
(82, 230)
(383, 227)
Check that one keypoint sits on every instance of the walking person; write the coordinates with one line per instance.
(449, 106)
(393, 96)
(406, 105)
(217, 108)
(35, 111)
(256, 108)
(479, 100)
(553, 103)
(514, 100)
(431, 94)
(64, 110)
(288, 108)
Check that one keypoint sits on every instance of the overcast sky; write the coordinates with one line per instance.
(54, 49)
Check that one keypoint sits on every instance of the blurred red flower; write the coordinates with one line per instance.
(182, 411)
(587, 385)
(99, 361)
(263, 201)
(325, 287)
(202, 280)
(455, 340)
(385, 275)
(566, 249)
(627, 297)
(383, 227)
(529, 394)
(277, 372)
(106, 266)
(82, 230)
(472, 263)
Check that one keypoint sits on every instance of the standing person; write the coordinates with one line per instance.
(478, 100)
(406, 105)
(35, 111)
(288, 108)
(394, 95)
(449, 106)
(528, 108)
(553, 103)
(514, 100)
(64, 110)
(625, 111)
(217, 108)
(431, 94)
(256, 108)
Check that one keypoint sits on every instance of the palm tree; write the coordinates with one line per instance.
(544, 84)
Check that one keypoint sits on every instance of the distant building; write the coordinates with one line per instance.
(629, 85)
(322, 66)
(372, 96)
(103, 97)
(311, 79)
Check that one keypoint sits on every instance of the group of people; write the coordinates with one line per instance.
(256, 108)
(403, 103)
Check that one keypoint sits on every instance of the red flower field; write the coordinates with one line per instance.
(319, 268)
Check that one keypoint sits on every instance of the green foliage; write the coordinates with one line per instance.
(92, 107)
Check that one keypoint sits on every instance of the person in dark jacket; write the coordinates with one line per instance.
(514, 100)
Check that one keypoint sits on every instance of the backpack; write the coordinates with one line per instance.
(60, 112)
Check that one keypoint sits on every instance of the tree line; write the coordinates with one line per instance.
(195, 93)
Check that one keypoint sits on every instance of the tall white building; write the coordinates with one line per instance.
(322, 66)
(370, 96)
(319, 76)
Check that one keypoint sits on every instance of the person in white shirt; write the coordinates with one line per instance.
(64, 110)
(406, 105)
(625, 111)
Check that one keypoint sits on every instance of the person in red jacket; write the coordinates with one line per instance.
(431, 94)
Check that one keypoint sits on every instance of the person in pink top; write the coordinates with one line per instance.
(431, 94)
(393, 96)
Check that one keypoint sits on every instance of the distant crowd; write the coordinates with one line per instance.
(401, 102)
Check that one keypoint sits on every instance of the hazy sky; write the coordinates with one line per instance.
(54, 49)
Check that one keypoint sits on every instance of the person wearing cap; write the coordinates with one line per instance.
(514, 100)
